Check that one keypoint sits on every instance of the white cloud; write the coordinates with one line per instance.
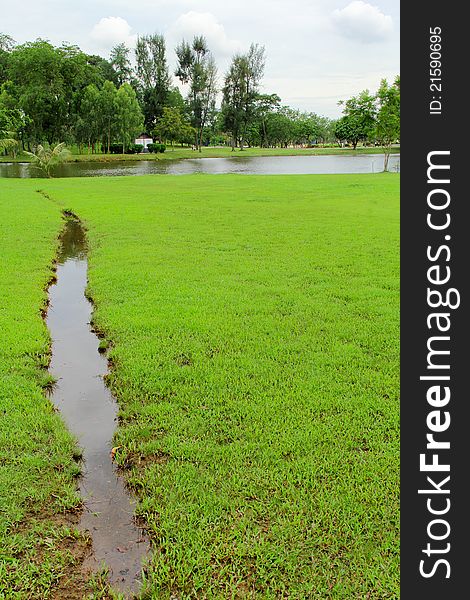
(196, 23)
(110, 31)
(363, 22)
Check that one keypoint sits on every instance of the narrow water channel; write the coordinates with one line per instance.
(90, 411)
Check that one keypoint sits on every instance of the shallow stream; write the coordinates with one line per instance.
(90, 412)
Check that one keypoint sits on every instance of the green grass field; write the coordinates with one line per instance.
(254, 330)
(212, 152)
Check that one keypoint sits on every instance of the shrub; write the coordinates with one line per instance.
(134, 149)
(115, 148)
(156, 148)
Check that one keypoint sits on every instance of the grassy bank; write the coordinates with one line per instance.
(254, 330)
(38, 540)
(177, 153)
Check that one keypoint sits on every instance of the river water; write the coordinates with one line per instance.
(253, 165)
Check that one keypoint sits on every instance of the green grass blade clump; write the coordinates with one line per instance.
(37, 469)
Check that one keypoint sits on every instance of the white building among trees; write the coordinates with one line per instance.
(144, 140)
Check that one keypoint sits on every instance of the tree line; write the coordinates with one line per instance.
(54, 94)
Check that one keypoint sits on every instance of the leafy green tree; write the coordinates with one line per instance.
(344, 131)
(172, 126)
(103, 70)
(6, 42)
(76, 73)
(47, 83)
(176, 100)
(13, 122)
(107, 112)
(35, 72)
(119, 59)
(197, 68)
(129, 117)
(304, 126)
(45, 158)
(358, 119)
(285, 126)
(232, 103)
(6, 45)
(153, 76)
(90, 122)
(265, 104)
(388, 116)
(326, 129)
(10, 123)
(279, 129)
(213, 131)
(240, 92)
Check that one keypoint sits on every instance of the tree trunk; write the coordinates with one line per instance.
(200, 140)
(386, 158)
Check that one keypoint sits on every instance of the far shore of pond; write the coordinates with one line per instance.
(178, 153)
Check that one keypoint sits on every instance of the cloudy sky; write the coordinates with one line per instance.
(318, 51)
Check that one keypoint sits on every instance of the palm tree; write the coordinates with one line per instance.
(47, 158)
(10, 145)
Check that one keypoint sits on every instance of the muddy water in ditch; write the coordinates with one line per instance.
(90, 413)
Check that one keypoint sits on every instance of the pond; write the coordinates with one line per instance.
(254, 165)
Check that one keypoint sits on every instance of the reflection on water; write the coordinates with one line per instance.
(253, 165)
(72, 243)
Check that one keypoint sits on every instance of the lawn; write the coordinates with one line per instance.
(212, 152)
(253, 323)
